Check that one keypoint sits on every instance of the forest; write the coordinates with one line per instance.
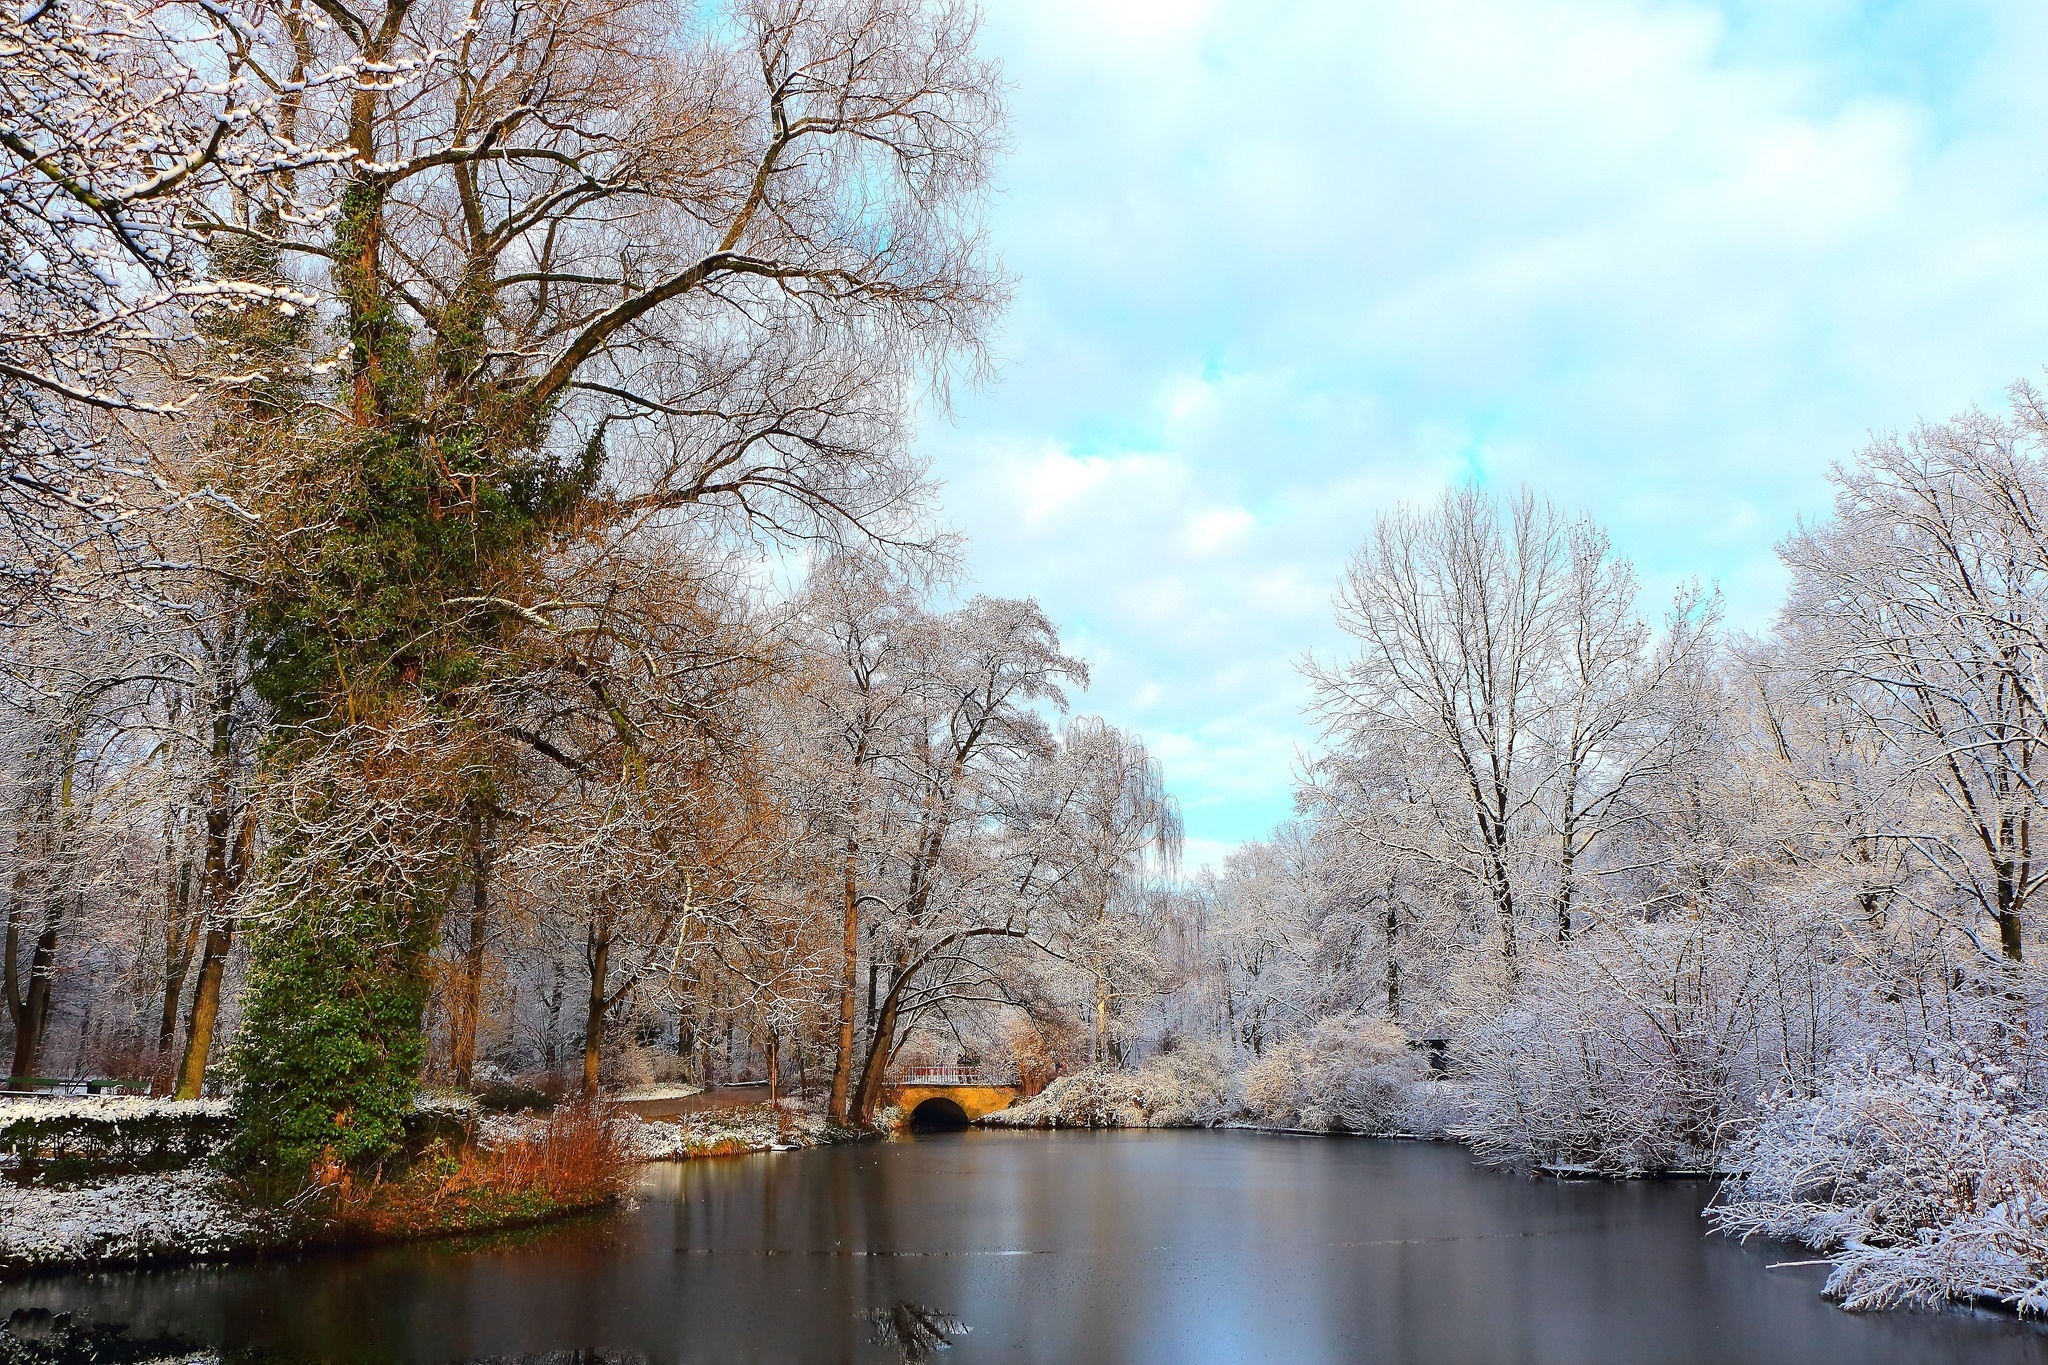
(475, 618)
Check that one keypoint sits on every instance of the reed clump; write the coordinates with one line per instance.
(578, 1159)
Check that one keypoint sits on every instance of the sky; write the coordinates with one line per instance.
(1283, 266)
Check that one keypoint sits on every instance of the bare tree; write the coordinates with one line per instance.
(977, 678)
(1923, 599)
(1459, 615)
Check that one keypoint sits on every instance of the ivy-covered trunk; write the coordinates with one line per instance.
(373, 655)
(331, 1047)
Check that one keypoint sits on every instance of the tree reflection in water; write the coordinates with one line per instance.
(37, 1336)
(564, 1358)
(914, 1330)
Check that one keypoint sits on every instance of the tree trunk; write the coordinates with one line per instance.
(181, 943)
(551, 1041)
(600, 948)
(1393, 928)
(686, 1048)
(226, 867)
(1101, 1020)
(881, 1043)
(220, 934)
(874, 983)
(31, 1011)
(2005, 908)
(1504, 903)
(471, 1003)
(774, 1050)
(842, 1069)
(1567, 851)
(1564, 896)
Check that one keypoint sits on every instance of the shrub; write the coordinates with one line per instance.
(579, 1157)
(1643, 1048)
(513, 1097)
(1189, 1087)
(59, 1140)
(1350, 1073)
(1926, 1180)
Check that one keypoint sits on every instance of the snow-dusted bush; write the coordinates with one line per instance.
(111, 1107)
(714, 1132)
(1925, 1179)
(673, 1090)
(638, 1066)
(1192, 1086)
(1435, 1108)
(65, 1138)
(1350, 1073)
(1645, 1048)
(446, 1104)
(1101, 1097)
(725, 1132)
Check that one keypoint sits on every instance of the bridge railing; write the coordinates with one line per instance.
(951, 1075)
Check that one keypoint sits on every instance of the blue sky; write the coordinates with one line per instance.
(1281, 266)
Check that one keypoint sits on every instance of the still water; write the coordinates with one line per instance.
(1067, 1249)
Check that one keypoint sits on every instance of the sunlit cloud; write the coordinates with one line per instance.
(1281, 268)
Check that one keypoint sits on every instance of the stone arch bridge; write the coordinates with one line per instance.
(948, 1096)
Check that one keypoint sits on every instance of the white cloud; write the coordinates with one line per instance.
(1282, 267)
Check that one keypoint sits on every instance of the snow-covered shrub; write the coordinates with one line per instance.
(1925, 1179)
(451, 1104)
(1435, 1108)
(67, 1138)
(637, 1065)
(1554, 1085)
(1644, 1048)
(1101, 1097)
(1350, 1073)
(1191, 1086)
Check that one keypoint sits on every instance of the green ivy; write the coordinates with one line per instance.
(328, 1059)
(444, 496)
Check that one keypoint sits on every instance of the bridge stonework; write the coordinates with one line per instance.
(975, 1101)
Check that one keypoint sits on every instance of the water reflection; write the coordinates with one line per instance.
(1068, 1249)
(37, 1336)
(914, 1330)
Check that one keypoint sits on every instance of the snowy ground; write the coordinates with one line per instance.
(133, 1218)
(719, 1132)
(646, 1093)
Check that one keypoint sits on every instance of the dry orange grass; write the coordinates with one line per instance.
(577, 1160)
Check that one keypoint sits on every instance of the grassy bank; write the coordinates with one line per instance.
(110, 1182)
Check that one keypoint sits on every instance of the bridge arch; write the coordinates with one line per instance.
(937, 1114)
(973, 1100)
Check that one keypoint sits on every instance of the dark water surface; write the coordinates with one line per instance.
(1067, 1249)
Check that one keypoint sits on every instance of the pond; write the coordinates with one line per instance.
(1069, 1248)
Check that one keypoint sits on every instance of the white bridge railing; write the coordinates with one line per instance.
(950, 1075)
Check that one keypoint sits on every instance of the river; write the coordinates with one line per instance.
(1066, 1249)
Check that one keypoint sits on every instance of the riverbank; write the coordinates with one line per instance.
(72, 1197)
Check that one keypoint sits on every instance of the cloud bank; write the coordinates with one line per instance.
(1283, 266)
